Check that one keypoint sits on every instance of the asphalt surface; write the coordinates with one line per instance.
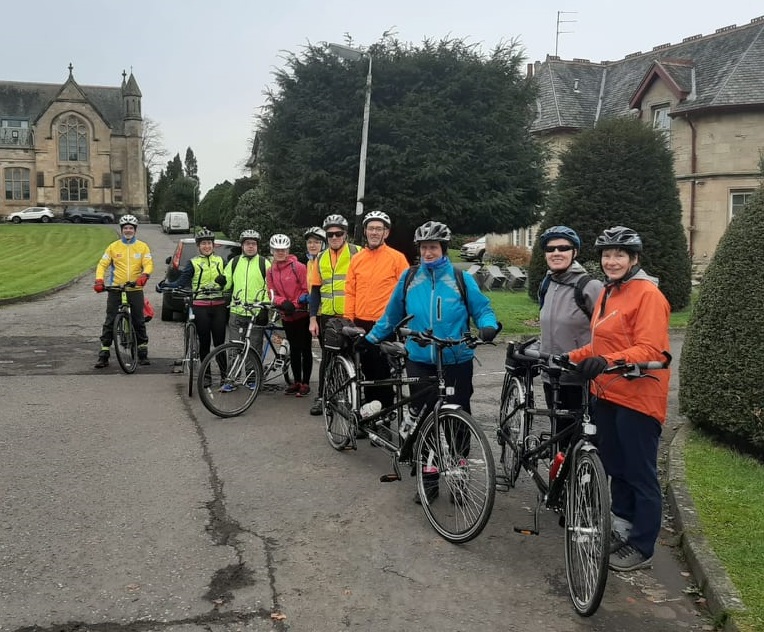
(125, 505)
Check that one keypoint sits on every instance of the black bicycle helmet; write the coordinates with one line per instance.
(560, 232)
(432, 231)
(379, 216)
(205, 235)
(249, 234)
(619, 237)
(335, 220)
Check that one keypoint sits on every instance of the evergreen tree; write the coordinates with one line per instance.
(621, 173)
(720, 385)
(191, 166)
(215, 207)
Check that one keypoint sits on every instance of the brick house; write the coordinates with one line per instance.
(72, 145)
(706, 94)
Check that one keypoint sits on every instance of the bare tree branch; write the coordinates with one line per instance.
(152, 145)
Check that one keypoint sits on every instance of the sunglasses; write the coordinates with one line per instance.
(340, 234)
(558, 248)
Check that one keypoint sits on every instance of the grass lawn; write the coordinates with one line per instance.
(728, 490)
(38, 257)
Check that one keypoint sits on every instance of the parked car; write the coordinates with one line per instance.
(32, 214)
(82, 214)
(176, 223)
(186, 249)
(474, 250)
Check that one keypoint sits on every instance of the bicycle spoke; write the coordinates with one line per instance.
(229, 379)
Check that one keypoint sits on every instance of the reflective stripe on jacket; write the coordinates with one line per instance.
(333, 278)
(206, 270)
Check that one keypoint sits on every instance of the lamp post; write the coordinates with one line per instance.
(193, 202)
(355, 54)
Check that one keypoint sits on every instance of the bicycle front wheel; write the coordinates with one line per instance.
(191, 355)
(125, 343)
(229, 379)
(512, 423)
(339, 402)
(454, 459)
(587, 531)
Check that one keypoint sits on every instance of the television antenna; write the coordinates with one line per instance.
(560, 15)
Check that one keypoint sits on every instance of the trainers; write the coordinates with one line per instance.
(227, 388)
(292, 388)
(317, 408)
(303, 390)
(252, 386)
(627, 558)
(144, 361)
(103, 361)
(616, 541)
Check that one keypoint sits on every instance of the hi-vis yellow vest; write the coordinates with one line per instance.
(333, 280)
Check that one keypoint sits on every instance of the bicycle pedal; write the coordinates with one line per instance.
(502, 486)
(389, 478)
(522, 531)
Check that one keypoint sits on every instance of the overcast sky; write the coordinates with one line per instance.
(203, 65)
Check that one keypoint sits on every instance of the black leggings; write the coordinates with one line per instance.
(300, 351)
(210, 323)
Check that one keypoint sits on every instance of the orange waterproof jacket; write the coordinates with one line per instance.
(371, 279)
(630, 323)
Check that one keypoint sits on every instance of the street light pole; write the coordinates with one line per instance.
(193, 203)
(354, 54)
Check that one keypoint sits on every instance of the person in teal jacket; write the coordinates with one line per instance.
(435, 299)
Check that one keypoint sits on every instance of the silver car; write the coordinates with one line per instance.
(32, 214)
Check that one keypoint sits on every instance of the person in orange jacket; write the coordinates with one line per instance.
(630, 324)
(372, 277)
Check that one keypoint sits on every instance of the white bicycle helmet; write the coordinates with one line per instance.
(280, 241)
(128, 220)
(379, 216)
(335, 220)
(249, 234)
(317, 232)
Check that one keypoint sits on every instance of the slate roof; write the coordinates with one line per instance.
(29, 100)
(725, 69)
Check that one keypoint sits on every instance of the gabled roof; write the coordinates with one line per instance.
(723, 69)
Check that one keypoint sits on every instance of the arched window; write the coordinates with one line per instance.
(72, 139)
(74, 190)
(17, 184)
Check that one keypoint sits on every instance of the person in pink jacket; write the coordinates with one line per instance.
(287, 281)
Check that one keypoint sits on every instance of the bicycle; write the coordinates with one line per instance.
(275, 359)
(125, 338)
(231, 375)
(443, 446)
(575, 485)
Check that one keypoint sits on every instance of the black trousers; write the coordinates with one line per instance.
(210, 325)
(113, 301)
(326, 356)
(375, 367)
(300, 354)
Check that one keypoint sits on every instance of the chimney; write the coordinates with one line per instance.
(529, 71)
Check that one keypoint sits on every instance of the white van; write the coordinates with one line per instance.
(175, 223)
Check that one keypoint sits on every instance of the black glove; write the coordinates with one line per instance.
(362, 344)
(591, 367)
(287, 307)
(487, 334)
(221, 280)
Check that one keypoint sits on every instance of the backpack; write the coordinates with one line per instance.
(235, 262)
(458, 274)
(578, 291)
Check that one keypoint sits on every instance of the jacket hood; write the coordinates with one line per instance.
(572, 271)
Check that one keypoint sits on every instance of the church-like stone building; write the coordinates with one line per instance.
(72, 145)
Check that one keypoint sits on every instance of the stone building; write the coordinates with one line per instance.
(706, 94)
(72, 145)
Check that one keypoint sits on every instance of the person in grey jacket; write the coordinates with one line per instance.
(564, 324)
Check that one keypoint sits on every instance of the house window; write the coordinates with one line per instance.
(738, 199)
(662, 122)
(17, 184)
(74, 190)
(116, 183)
(72, 140)
(529, 237)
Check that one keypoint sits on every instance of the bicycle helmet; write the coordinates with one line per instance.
(205, 235)
(432, 231)
(280, 241)
(128, 220)
(619, 237)
(249, 234)
(560, 232)
(335, 220)
(377, 216)
(317, 232)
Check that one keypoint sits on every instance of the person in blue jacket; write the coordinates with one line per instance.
(440, 303)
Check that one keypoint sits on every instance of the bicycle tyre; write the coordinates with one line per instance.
(339, 398)
(587, 531)
(125, 343)
(229, 380)
(191, 355)
(464, 468)
(512, 397)
(277, 366)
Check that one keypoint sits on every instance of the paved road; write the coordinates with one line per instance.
(126, 506)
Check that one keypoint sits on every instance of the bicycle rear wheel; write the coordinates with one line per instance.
(453, 456)
(512, 399)
(125, 343)
(229, 379)
(587, 531)
(276, 366)
(191, 355)
(339, 402)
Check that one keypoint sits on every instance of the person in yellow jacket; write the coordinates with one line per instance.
(326, 285)
(129, 260)
(371, 279)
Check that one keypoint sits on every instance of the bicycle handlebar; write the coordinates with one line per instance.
(119, 288)
(425, 338)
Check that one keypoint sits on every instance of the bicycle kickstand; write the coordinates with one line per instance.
(535, 529)
(396, 476)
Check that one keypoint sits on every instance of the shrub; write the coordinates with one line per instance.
(510, 255)
(720, 378)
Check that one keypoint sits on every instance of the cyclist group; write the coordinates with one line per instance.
(589, 323)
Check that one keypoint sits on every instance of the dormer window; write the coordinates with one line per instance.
(72, 140)
(662, 122)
